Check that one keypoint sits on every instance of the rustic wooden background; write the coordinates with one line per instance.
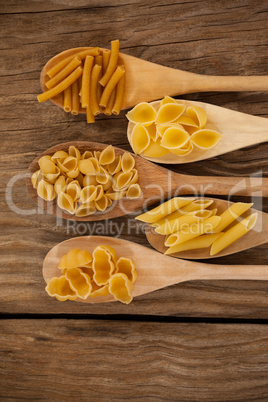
(205, 341)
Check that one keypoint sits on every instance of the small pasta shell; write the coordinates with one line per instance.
(169, 112)
(52, 177)
(143, 113)
(134, 177)
(102, 176)
(75, 258)
(73, 151)
(174, 138)
(95, 163)
(102, 203)
(205, 139)
(79, 282)
(60, 185)
(46, 165)
(121, 180)
(127, 267)
(167, 99)
(115, 166)
(152, 131)
(133, 191)
(115, 195)
(107, 156)
(184, 150)
(121, 287)
(99, 192)
(155, 149)
(127, 162)
(187, 121)
(73, 173)
(66, 203)
(198, 115)
(109, 183)
(140, 138)
(36, 177)
(74, 190)
(90, 180)
(88, 194)
(87, 155)
(59, 156)
(46, 191)
(86, 166)
(59, 287)
(161, 128)
(85, 209)
(102, 265)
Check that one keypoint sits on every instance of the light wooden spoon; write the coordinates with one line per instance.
(257, 236)
(238, 130)
(157, 184)
(146, 81)
(155, 271)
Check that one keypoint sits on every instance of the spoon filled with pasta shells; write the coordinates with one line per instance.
(88, 181)
(92, 80)
(97, 269)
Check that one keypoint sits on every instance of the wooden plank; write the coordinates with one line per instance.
(200, 37)
(112, 360)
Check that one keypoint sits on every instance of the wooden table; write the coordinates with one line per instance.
(203, 341)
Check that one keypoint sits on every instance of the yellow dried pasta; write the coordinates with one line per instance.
(121, 287)
(59, 287)
(143, 113)
(140, 138)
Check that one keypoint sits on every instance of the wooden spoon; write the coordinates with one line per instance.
(238, 130)
(146, 81)
(155, 271)
(157, 184)
(257, 236)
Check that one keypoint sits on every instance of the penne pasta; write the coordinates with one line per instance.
(61, 86)
(67, 70)
(113, 59)
(108, 109)
(94, 51)
(119, 72)
(67, 99)
(164, 209)
(237, 231)
(93, 103)
(85, 89)
(202, 241)
(75, 98)
(120, 90)
(99, 61)
(231, 214)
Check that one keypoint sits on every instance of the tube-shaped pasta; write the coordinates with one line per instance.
(71, 66)
(61, 86)
(67, 99)
(231, 214)
(195, 230)
(119, 97)
(105, 59)
(94, 51)
(202, 241)
(237, 231)
(85, 89)
(110, 104)
(90, 115)
(164, 209)
(99, 61)
(75, 98)
(93, 102)
(113, 59)
(119, 72)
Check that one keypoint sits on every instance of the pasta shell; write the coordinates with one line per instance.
(174, 138)
(127, 162)
(99, 290)
(75, 258)
(107, 156)
(127, 267)
(102, 203)
(97, 154)
(121, 287)
(184, 150)
(102, 265)
(167, 99)
(115, 166)
(85, 209)
(169, 112)
(143, 113)
(59, 156)
(198, 115)
(74, 190)
(133, 191)
(46, 165)
(87, 155)
(60, 185)
(36, 177)
(66, 202)
(99, 192)
(134, 177)
(115, 195)
(80, 178)
(73, 173)
(109, 183)
(86, 166)
(79, 282)
(205, 138)
(161, 128)
(90, 180)
(155, 149)
(73, 151)
(187, 121)
(52, 177)
(69, 164)
(152, 131)
(102, 176)
(88, 194)
(121, 180)
(95, 163)
(46, 191)
(140, 138)
(60, 288)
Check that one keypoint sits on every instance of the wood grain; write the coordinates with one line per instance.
(206, 37)
(115, 360)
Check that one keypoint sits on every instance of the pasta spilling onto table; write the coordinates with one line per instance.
(189, 224)
(90, 79)
(85, 275)
(173, 128)
(86, 183)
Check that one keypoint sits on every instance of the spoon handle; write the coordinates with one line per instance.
(230, 272)
(204, 185)
(204, 83)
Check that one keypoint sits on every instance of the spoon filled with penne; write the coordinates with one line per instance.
(98, 269)
(201, 228)
(88, 181)
(91, 80)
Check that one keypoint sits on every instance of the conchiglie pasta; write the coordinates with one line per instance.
(127, 162)
(205, 138)
(75, 258)
(174, 138)
(46, 191)
(155, 149)
(167, 99)
(127, 267)
(36, 177)
(134, 191)
(79, 282)
(66, 203)
(102, 265)
(59, 288)
(140, 138)
(121, 287)
(46, 165)
(85, 209)
(198, 115)
(143, 113)
(169, 112)
(107, 156)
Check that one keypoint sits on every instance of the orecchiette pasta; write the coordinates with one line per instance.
(173, 128)
(87, 183)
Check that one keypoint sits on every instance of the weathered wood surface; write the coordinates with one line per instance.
(206, 37)
(67, 360)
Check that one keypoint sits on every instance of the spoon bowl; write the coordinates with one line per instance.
(255, 237)
(238, 130)
(154, 271)
(156, 182)
(146, 81)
